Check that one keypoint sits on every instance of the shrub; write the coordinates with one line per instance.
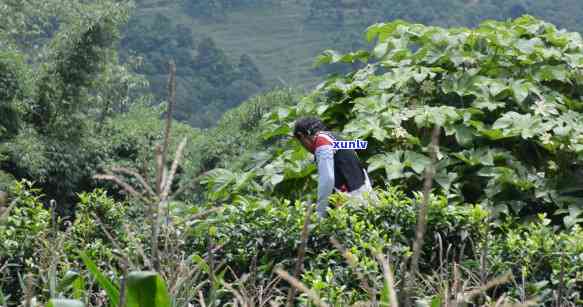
(28, 222)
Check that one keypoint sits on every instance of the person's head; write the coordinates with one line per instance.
(305, 130)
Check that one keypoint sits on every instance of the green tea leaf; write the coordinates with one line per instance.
(147, 289)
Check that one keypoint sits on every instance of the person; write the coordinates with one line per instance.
(338, 169)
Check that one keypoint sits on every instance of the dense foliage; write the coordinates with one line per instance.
(251, 237)
(506, 95)
(54, 98)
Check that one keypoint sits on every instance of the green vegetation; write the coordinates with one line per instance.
(474, 141)
(209, 82)
(282, 38)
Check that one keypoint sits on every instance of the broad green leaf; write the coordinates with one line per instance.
(513, 124)
(381, 49)
(528, 46)
(201, 263)
(493, 134)
(417, 161)
(243, 180)
(573, 218)
(482, 156)
(110, 288)
(520, 91)
(146, 289)
(280, 131)
(487, 104)
(436, 301)
(385, 295)
(382, 30)
(275, 179)
(391, 162)
(366, 126)
(65, 303)
(219, 180)
(497, 87)
(463, 135)
(79, 288)
(67, 280)
(370, 104)
(328, 57)
(445, 179)
(550, 73)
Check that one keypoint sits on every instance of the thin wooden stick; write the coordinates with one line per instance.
(128, 188)
(155, 210)
(160, 169)
(492, 283)
(561, 280)
(28, 290)
(205, 213)
(422, 217)
(124, 258)
(296, 284)
(171, 101)
(6, 212)
(352, 262)
(122, 286)
(177, 158)
(301, 253)
(201, 299)
(389, 278)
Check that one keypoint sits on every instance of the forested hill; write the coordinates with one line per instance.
(229, 50)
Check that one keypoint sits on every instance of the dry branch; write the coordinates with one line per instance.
(422, 216)
(296, 284)
(139, 177)
(492, 283)
(301, 253)
(177, 158)
(126, 187)
(171, 101)
(389, 278)
(352, 262)
(6, 212)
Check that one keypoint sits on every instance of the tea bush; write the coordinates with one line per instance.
(257, 235)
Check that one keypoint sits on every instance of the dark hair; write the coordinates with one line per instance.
(308, 126)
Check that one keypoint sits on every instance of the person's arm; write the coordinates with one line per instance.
(325, 160)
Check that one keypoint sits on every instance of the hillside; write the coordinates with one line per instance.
(284, 37)
(275, 37)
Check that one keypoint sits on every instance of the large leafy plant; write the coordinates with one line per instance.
(505, 94)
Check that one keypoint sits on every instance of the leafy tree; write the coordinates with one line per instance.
(60, 93)
(12, 92)
(208, 82)
(157, 40)
(248, 70)
(213, 63)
